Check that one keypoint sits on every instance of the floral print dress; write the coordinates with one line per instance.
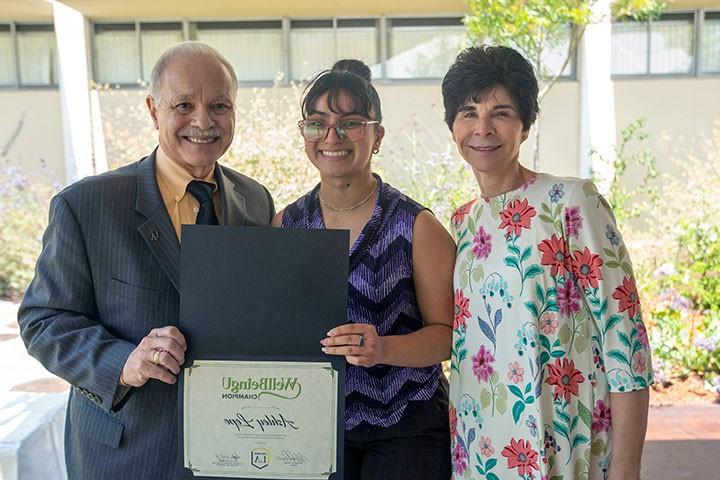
(547, 324)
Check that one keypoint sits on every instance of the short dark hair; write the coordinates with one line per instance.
(479, 69)
(351, 77)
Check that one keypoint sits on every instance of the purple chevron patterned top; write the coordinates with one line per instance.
(382, 293)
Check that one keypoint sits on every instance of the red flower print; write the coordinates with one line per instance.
(602, 419)
(459, 459)
(555, 254)
(520, 455)
(482, 364)
(516, 216)
(565, 377)
(486, 447)
(453, 422)
(482, 244)
(586, 267)
(462, 309)
(627, 297)
(459, 215)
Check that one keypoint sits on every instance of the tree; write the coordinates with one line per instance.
(538, 27)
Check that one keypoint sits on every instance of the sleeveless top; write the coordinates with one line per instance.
(381, 293)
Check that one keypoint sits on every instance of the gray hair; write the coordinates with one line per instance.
(190, 49)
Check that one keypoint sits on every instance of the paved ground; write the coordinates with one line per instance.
(683, 441)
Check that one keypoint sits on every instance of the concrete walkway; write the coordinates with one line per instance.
(683, 441)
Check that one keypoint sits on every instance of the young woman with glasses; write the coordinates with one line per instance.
(400, 303)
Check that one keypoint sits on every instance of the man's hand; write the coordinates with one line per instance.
(159, 356)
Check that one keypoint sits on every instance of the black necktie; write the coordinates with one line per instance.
(202, 191)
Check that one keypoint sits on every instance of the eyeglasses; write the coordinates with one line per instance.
(315, 131)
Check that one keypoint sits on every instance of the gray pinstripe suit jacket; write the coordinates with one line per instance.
(107, 274)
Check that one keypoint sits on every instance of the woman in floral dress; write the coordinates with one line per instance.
(550, 358)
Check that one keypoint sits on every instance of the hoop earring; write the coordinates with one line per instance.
(375, 150)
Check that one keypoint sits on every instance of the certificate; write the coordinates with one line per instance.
(257, 397)
(260, 419)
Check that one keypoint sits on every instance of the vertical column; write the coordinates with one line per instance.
(597, 98)
(70, 31)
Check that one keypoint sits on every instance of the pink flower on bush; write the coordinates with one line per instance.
(516, 373)
(568, 296)
(486, 448)
(459, 459)
(573, 221)
(482, 244)
(602, 418)
(482, 364)
(548, 323)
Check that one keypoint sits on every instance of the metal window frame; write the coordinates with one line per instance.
(14, 34)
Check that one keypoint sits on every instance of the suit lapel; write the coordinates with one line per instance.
(232, 211)
(157, 229)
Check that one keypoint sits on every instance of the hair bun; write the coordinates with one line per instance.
(353, 66)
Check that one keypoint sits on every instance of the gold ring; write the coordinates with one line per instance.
(156, 357)
(361, 342)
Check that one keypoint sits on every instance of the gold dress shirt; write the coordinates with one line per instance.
(181, 205)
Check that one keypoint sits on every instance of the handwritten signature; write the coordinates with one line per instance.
(272, 421)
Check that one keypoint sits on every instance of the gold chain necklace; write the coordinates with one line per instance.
(353, 207)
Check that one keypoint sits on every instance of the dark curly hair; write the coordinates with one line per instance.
(350, 77)
(479, 69)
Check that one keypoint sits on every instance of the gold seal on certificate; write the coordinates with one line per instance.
(260, 419)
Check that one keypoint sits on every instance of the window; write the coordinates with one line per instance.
(710, 43)
(8, 72)
(312, 47)
(155, 38)
(358, 38)
(37, 54)
(315, 45)
(658, 47)
(671, 44)
(629, 48)
(553, 58)
(117, 54)
(253, 48)
(423, 47)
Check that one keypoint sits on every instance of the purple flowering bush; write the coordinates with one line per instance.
(24, 199)
(670, 226)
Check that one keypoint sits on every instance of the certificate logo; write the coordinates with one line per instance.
(288, 388)
(260, 458)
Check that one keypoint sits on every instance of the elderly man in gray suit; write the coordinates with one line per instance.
(102, 309)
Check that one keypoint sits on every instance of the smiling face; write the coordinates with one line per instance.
(194, 112)
(488, 133)
(341, 157)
